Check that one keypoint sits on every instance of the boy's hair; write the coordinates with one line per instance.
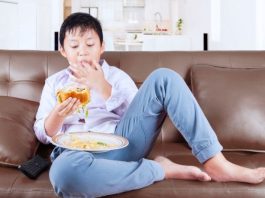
(83, 21)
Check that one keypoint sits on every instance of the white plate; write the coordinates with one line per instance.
(110, 141)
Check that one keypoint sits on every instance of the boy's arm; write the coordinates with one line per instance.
(105, 89)
(51, 115)
(122, 92)
(117, 88)
(47, 102)
(54, 122)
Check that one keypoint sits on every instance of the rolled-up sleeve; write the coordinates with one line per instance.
(47, 102)
(122, 93)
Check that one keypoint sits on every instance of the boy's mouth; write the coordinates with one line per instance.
(86, 63)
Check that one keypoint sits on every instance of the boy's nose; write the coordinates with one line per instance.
(83, 54)
(82, 57)
(83, 51)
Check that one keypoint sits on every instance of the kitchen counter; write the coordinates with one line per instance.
(166, 43)
(139, 41)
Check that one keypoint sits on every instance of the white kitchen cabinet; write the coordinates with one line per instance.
(29, 24)
(166, 43)
(8, 24)
(153, 43)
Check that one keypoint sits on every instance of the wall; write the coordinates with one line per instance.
(29, 24)
(260, 24)
(237, 25)
(196, 17)
(231, 25)
(153, 6)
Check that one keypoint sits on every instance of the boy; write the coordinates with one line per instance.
(118, 107)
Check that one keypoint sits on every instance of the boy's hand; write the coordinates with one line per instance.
(55, 119)
(67, 107)
(91, 75)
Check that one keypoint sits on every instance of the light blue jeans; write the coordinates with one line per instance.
(84, 174)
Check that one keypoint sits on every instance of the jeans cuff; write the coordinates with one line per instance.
(158, 171)
(213, 149)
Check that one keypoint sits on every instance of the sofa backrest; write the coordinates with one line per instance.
(23, 73)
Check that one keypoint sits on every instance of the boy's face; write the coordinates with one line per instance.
(82, 46)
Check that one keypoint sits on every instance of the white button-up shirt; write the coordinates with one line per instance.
(103, 115)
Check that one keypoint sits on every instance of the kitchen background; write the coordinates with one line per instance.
(151, 25)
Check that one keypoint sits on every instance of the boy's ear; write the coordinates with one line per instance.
(62, 51)
(102, 48)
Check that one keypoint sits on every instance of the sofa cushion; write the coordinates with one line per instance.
(17, 139)
(233, 100)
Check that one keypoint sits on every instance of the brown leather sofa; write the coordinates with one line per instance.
(229, 86)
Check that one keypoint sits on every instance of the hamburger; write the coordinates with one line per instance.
(82, 94)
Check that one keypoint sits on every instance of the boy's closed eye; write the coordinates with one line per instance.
(76, 46)
(90, 44)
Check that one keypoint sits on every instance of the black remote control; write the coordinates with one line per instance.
(34, 167)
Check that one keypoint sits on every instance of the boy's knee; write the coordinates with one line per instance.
(65, 173)
(162, 71)
(165, 74)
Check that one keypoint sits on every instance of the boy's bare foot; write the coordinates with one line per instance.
(177, 171)
(221, 170)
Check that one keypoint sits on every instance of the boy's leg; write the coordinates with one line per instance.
(164, 91)
(80, 174)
